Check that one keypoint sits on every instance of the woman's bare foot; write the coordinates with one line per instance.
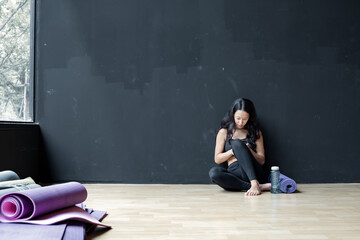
(254, 189)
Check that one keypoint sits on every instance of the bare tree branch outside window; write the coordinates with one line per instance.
(15, 74)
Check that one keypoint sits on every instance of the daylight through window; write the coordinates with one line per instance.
(16, 80)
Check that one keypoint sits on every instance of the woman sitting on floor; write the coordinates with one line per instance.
(239, 142)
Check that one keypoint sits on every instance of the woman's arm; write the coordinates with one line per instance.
(259, 155)
(221, 156)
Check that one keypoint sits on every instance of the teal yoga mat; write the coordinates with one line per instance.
(8, 175)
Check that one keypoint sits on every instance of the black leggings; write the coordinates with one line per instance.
(238, 175)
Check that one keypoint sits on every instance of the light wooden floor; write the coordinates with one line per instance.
(318, 211)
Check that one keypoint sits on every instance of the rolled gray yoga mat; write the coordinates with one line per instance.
(8, 175)
(17, 188)
(17, 185)
(25, 181)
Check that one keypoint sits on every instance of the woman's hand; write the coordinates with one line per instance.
(232, 152)
(259, 155)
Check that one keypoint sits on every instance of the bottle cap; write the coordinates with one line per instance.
(275, 168)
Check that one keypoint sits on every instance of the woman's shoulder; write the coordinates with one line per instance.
(223, 131)
(260, 135)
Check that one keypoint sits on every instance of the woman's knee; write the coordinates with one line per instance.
(215, 172)
(238, 144)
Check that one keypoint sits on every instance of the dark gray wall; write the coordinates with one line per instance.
(133, 91)
(20, 149)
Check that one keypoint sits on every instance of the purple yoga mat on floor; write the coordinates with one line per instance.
(46, 205)
(287, 185)
(14, 231)
(77, 230)
(74, 231)
(35, 202)
(71, 230)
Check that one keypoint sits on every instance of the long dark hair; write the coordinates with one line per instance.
(252, 125)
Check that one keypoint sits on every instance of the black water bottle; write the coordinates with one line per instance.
(275, 182)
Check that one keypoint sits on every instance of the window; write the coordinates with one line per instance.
(16, 63)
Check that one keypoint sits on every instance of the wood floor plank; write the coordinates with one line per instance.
(317, 211)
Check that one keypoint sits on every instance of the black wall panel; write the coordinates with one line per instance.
(20, 150)
(133, 91)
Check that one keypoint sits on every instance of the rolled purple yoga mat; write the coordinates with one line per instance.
(287, 185)
(35, 202)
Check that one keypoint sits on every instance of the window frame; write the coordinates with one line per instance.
(32, 56)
